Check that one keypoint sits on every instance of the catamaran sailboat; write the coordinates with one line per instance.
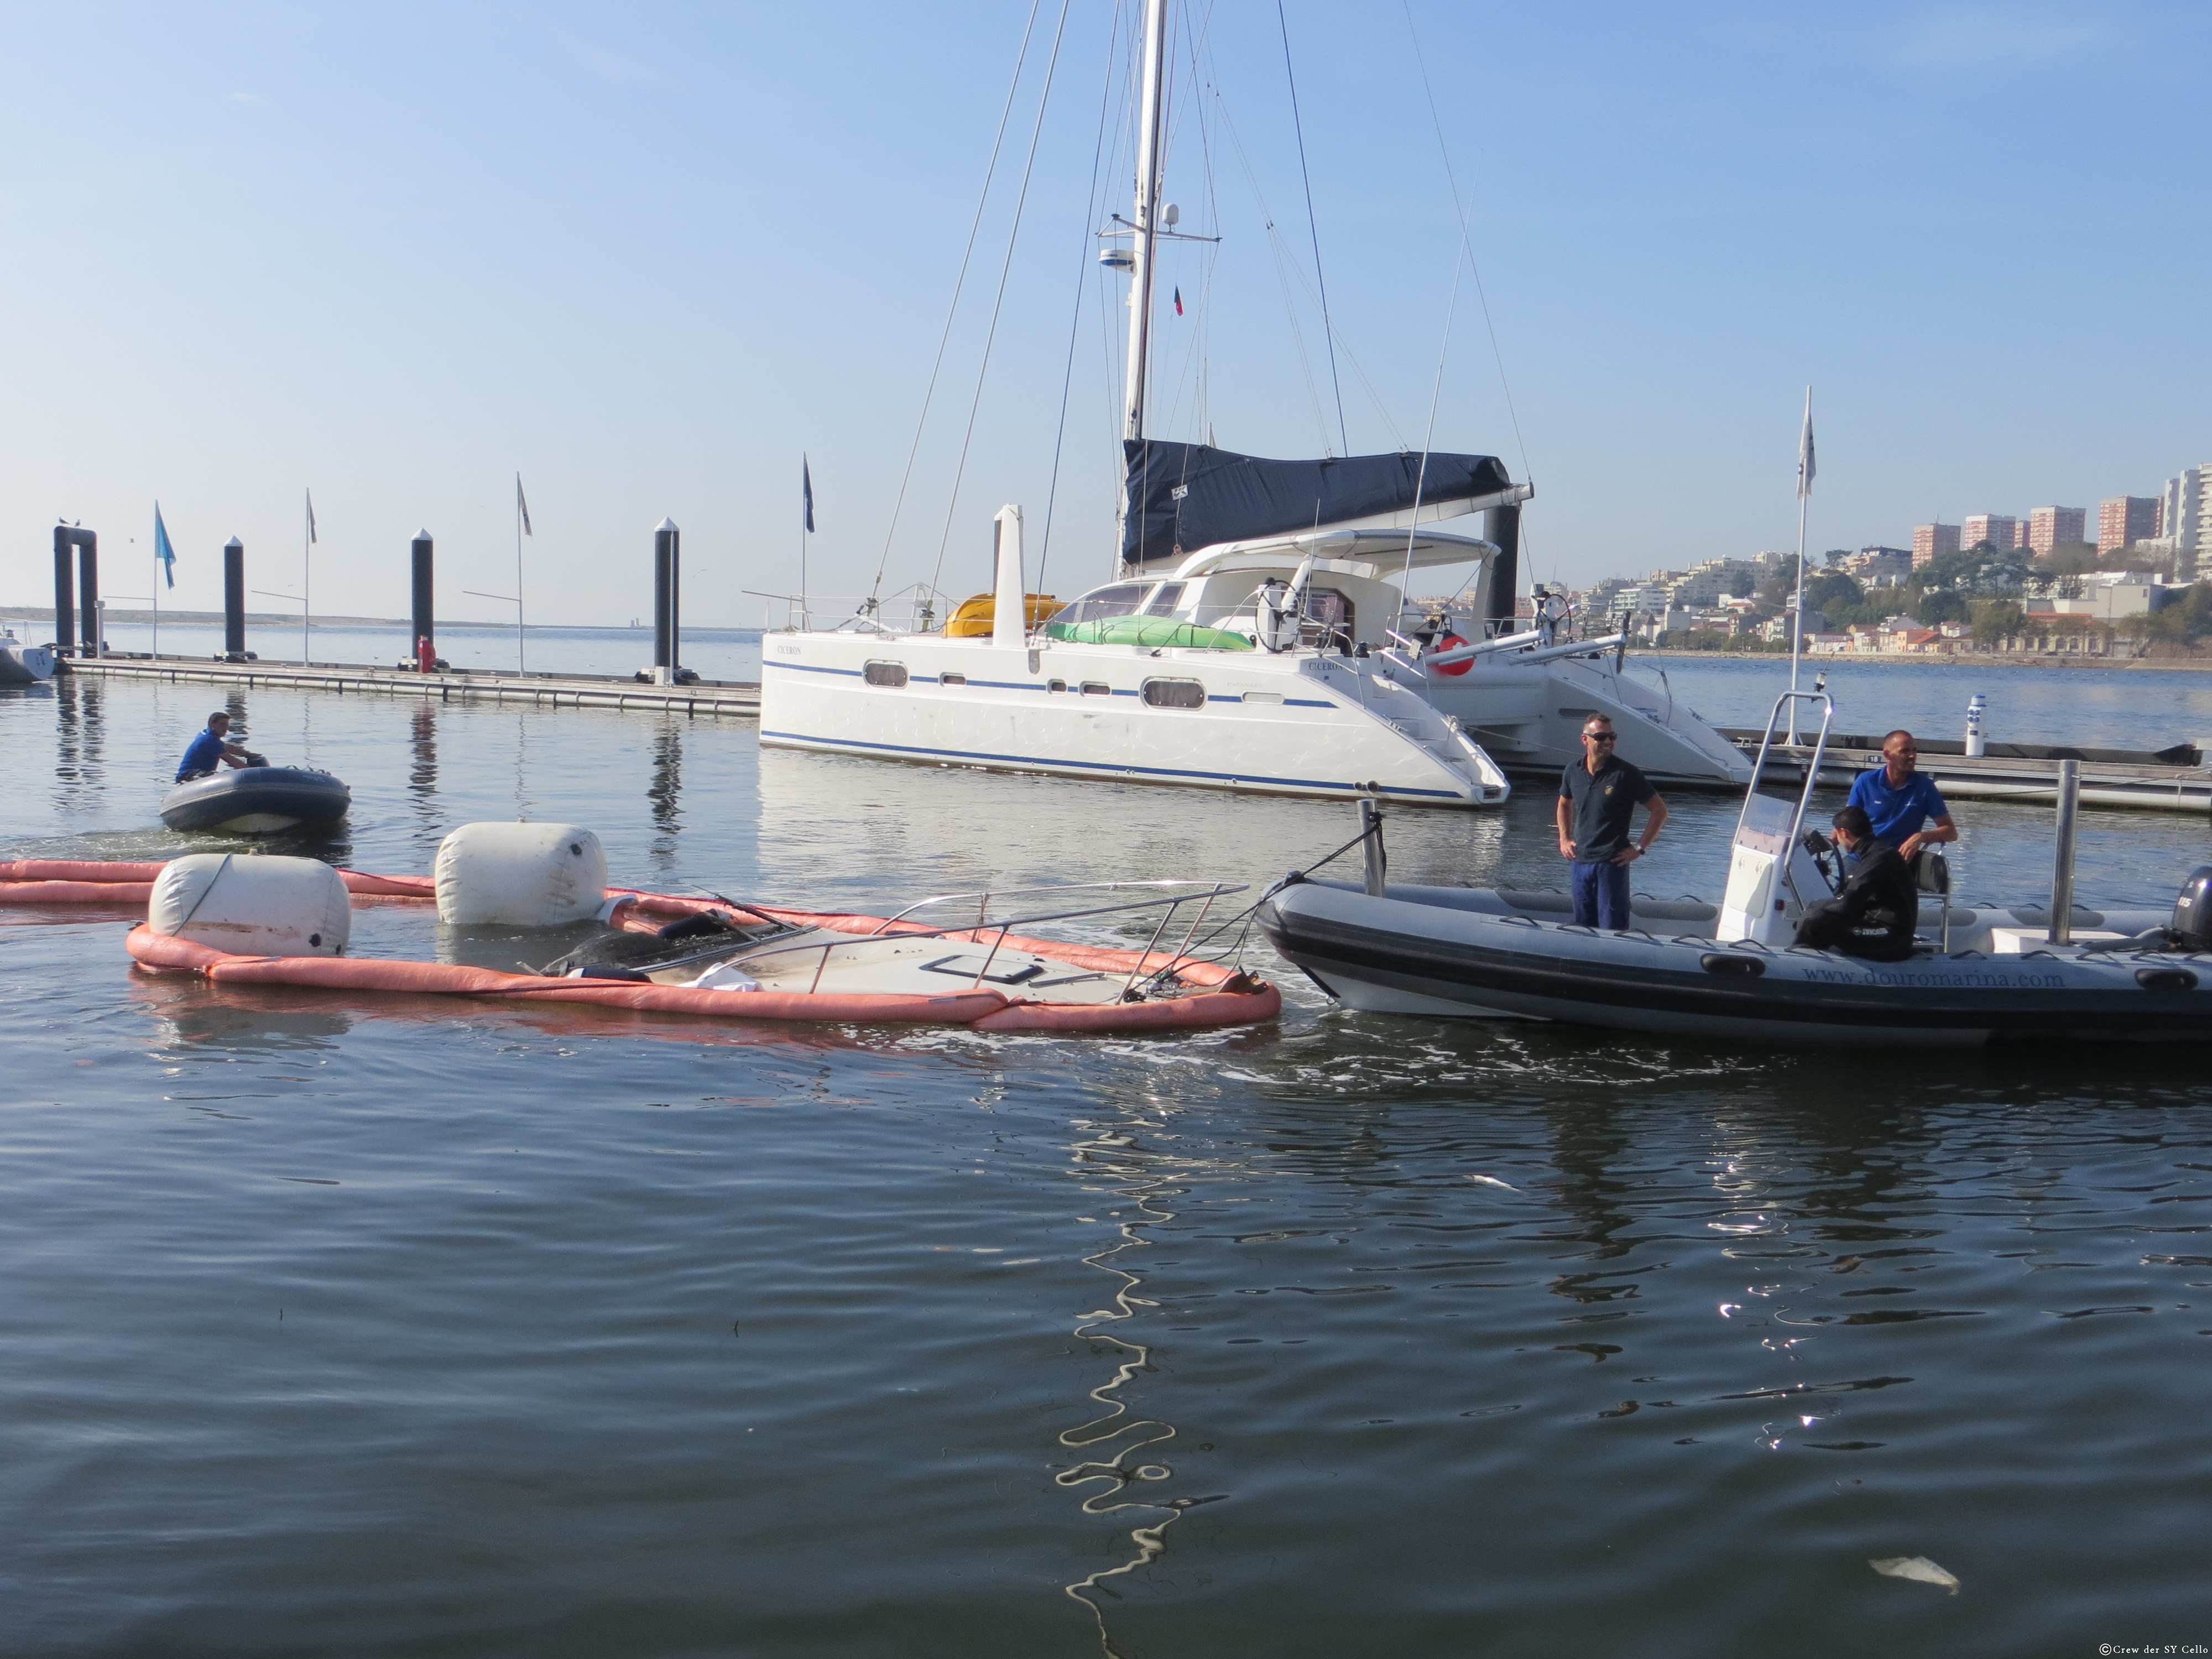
(1257, 637)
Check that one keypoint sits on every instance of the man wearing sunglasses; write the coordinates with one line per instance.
(1598, 795)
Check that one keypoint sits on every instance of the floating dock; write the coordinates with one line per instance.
(721, 697)
(2173, 779)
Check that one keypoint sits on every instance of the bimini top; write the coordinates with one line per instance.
(1377, 555)
(1182, 497)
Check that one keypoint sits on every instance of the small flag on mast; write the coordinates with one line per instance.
(1805, 467)
(163, 550)
(522, 505)
(1178, 300)
(806, 491)
(312, 537)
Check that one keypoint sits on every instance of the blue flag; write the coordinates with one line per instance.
(163, 550)
(806, 489)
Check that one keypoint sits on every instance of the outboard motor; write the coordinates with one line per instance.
(2192, 911)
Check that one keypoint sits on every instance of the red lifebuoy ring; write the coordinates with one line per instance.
(1450, 642)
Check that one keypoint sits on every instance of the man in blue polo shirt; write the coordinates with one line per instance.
(1900, 801)
(210, 751)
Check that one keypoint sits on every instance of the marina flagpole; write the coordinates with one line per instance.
(521, 528)
(1805, 470)
(307, 584)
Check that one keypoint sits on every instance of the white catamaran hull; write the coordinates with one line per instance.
(1302, 723)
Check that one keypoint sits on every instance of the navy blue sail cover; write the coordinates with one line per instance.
(1186, 496)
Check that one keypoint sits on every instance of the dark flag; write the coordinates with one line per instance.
(806, 491)
(1178, 299)
(522, 505)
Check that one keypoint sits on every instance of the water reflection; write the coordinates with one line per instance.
(423, 774)
(1142, 1181)
(666, 790)
(79, 705)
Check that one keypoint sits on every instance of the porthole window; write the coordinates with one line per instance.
(885, 673)
(1174, 694)
(952, 679)
(1057, 685)
(1096, 689)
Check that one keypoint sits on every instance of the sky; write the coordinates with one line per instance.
(649, 257)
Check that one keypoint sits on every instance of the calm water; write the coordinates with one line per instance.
(420, 1328)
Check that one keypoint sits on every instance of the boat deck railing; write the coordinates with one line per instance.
(899, 929)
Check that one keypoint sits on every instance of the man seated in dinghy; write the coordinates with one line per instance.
(1874, 914)
(1906, 809)
(210, 751)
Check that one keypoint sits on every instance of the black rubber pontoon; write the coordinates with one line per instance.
(256, 800)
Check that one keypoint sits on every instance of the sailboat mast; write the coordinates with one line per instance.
(1150, 111)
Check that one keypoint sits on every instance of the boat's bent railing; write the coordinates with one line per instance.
(1203, 894)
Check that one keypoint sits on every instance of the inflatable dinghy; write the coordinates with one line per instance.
(21, 664)
(1976, 975)
(256, 800)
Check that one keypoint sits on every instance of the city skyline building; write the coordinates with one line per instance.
(1930, 541)
(2000, 530)
(2124, 521)
(2057, 526)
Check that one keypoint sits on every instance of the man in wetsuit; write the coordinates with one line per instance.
(210, 751)
(1874, 916)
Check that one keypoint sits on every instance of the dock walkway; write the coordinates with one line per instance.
(740, 699)
(2172, 780)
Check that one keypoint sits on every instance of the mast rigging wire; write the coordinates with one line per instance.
(1312, 225)
(999, 300)
(951, 311)
(1075, 318)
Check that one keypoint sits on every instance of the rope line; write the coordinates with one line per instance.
(975, 227)
(1313, 226)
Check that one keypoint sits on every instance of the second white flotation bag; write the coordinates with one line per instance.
(527, 875)
(252, 905)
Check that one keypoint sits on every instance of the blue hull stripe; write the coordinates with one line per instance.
(1104, 766)
(1020, 685)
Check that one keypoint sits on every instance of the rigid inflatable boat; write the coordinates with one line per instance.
(256, 800)
(1976, 974)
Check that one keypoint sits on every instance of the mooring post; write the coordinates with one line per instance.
(1376, 861)
(423, 616)
(2061, 874)
(65, 592)
(92, 636)
(667, 544)
(233, 600)
(1502, 526)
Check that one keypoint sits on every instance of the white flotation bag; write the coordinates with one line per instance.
(527, 875)
(252, 906)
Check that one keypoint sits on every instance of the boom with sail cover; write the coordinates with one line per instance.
(1182, 497)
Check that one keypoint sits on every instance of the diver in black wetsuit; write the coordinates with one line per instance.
(1874, 916)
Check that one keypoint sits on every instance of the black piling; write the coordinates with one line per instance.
(64, 590)
(233, 600)
(425, 616)
(667, 579)
(1502, 526)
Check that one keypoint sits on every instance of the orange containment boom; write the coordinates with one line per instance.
(1231, 999)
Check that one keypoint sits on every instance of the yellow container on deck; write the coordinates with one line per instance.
(972, 618)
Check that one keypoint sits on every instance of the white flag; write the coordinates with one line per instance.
(311, 516)
(1805, 467)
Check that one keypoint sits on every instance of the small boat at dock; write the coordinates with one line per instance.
(1976, 975)
(23, 663)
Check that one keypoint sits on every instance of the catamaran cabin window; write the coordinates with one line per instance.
(1056, 685)
(1174, 694)
(1096, 689)
(885, 673)
(1330, 608)
(1165, 600)
(952, 679)
(1120, 600)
